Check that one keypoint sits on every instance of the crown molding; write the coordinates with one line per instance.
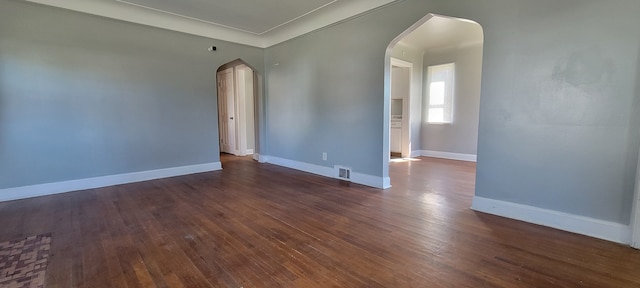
(326, 16)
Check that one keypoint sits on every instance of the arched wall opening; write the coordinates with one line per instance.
(430, 120)
(239, 96)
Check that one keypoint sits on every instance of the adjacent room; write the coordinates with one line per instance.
(320, 143)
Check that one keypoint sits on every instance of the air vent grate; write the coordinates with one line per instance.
(343, 173)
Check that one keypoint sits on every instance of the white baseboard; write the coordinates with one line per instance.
(415, 153)
(364, 179)
(601, 229)
(302, 166)
(261, 158)
(369, 180)
(246, 152)
(449, 155)
(386, 183)
(16, 193)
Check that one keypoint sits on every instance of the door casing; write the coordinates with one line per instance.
(406, 107)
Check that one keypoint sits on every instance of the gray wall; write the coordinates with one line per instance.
(324, 94)
(556, 108)
(555, 114)
(84, 96)
(461, 136)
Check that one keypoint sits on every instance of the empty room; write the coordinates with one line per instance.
(319, 143)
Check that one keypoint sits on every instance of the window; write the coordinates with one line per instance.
(440, 81)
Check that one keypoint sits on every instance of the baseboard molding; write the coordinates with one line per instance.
(23, 192)
(601, 229)
(359, 178)
(449, 155)
(369, 180)
(302, 166)
(416, 153)
(386, 182)
(244, 152)
(261, 158)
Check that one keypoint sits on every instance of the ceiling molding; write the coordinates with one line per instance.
(247, 30)
(186, 17)
(324, 16)
(129, 13)
(328, 16)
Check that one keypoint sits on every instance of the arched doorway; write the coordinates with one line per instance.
(442, 106)
(238, 98)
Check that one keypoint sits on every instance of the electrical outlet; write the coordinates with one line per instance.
(324, 156)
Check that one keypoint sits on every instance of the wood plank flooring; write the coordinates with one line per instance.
(260, 225)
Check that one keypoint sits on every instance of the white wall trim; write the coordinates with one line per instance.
(449, 155)
(601, 229)
(339, 11)
(401, 63)
(140, 15)
(329, 15)
(359, 178)
(16, 193)
(386, 182)
(302, 166)
(368, 180)
(405, 141)
(261, 158)
(416, 153)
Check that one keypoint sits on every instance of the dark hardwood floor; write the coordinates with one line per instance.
(259, 225)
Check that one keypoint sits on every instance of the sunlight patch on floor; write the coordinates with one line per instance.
(402, 160)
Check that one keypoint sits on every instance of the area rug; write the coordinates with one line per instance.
(23, 262)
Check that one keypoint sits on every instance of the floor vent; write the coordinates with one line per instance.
(343, 173)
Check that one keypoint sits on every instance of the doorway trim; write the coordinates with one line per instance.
(406, 106)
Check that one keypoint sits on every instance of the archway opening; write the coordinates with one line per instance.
(436, 111)
(238, 90)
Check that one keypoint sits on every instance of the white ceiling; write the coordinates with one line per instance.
(443, 32)
(260, 23)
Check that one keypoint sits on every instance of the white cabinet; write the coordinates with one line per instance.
(396, 137)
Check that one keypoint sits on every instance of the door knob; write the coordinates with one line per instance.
(231, 118)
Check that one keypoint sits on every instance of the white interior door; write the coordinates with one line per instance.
(226, 111)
